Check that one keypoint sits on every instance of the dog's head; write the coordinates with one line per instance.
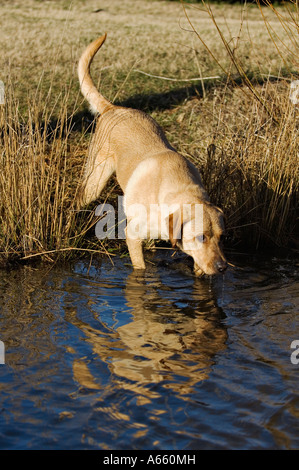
(197, 229)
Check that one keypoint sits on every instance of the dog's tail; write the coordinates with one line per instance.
(97, 102)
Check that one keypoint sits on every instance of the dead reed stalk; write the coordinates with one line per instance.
(40, 168)
(251, 168)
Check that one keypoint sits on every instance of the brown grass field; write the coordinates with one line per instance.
(216, 78)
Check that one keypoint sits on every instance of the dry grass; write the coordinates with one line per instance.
(38, 180)
(241, 129)
(154, 36)
(249, 164)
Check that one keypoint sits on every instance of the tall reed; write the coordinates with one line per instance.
(251, 167)
(40, 171)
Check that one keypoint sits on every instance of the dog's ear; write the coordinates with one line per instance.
(175, 228)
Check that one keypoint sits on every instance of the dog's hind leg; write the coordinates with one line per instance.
(96, 178)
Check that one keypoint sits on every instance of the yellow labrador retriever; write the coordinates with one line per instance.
(163, 194)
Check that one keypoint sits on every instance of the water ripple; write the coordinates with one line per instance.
(100, 357)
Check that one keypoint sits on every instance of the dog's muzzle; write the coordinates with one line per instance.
(221, 266)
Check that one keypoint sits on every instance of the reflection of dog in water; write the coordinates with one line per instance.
(152, 174)
(162, 342)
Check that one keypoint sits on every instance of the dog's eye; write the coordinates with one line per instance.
(221, 239)
(201, 238)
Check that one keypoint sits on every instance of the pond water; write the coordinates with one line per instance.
(99, 357)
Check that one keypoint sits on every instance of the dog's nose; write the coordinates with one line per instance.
(221, 266)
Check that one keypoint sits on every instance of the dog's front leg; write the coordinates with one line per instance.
(136, 252)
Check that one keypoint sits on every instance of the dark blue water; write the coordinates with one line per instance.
(97, 357)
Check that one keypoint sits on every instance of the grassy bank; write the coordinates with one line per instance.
(240, 128)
